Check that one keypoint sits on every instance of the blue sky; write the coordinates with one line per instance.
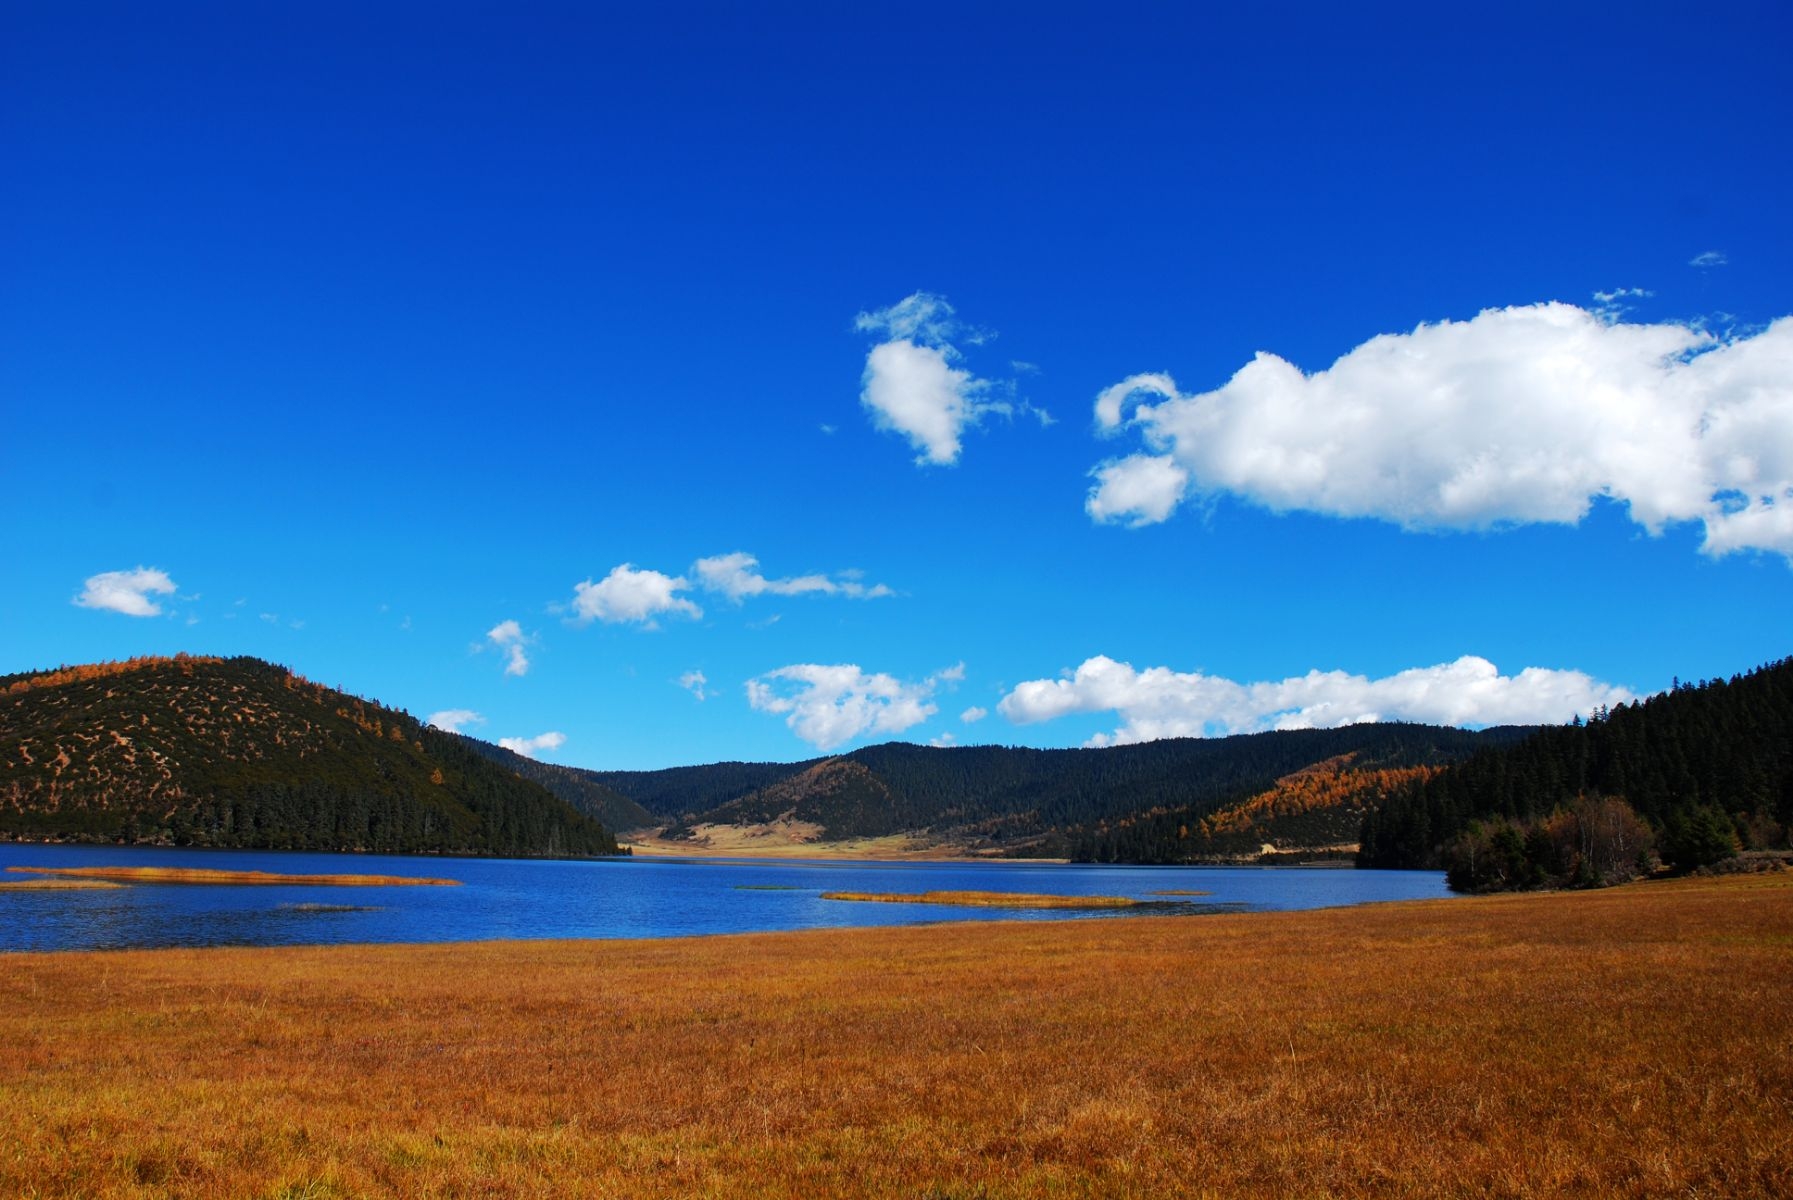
(464, 356)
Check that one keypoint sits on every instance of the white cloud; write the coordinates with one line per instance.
(1141, 489)
(911, 386)
(1711, 258)
(913, 390)
(695, 682)
(508, 636)
(453, 720)
(829, 705)
(126, 592)
(940, 741)
(974, 714)
(1517, 416)
(532, 747)
(737, 576)
(1161, 703)
(921, 317)
(629, 595)
(1612, 305)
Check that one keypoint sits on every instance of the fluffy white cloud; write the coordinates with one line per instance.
(915, 391)
(737, 576)
(126, 592)
(695, 682)
(454, 720)
(911, 386)
(629, 595)
(508, 636)
(1519, 415)
(1141, 489)
(1161, 703)
(532, 747)
(829, 705)
(973, 714)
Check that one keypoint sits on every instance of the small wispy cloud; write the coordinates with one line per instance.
(1612, 305)
(508, 636)
(695, 682)
(1711, 258)
(532, 747)
(631, 596)
(126, 592)
(737, 576)
(454, 720)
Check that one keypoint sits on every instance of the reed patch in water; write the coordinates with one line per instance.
(210, 876)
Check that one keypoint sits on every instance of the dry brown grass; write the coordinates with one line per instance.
(55, 885)
(985, 899)
(1633, 1042)
(207, 875)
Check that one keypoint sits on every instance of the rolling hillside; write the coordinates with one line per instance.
(239, 752)
(1124, 803)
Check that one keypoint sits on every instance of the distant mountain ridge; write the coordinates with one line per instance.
(195, 750)
(205, 751)
(575, 785)
(1137, 803)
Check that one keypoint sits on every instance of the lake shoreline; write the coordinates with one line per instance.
(260, 898)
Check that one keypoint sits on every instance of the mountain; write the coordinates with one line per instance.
(578, 787)
(1316, 812)
(1708, 766)
(239, 752)
(677, 791)
(1124, 803)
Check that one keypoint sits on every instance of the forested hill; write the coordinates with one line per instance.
(1140, 803)
(674, 792)
(239, 752)
(1713, 759)
(578, 787)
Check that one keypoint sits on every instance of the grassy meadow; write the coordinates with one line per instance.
(205, 875)
(1633, 1042)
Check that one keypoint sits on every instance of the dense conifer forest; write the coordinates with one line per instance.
(239, 752)
(580, 788)
(1706, 768)
(1134, 803)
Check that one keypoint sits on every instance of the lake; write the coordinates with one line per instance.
(615, 898)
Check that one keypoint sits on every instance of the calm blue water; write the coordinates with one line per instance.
(624, 898)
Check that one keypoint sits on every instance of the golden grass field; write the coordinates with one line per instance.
(55, 885)
(1632, 1042)
(208, 875)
